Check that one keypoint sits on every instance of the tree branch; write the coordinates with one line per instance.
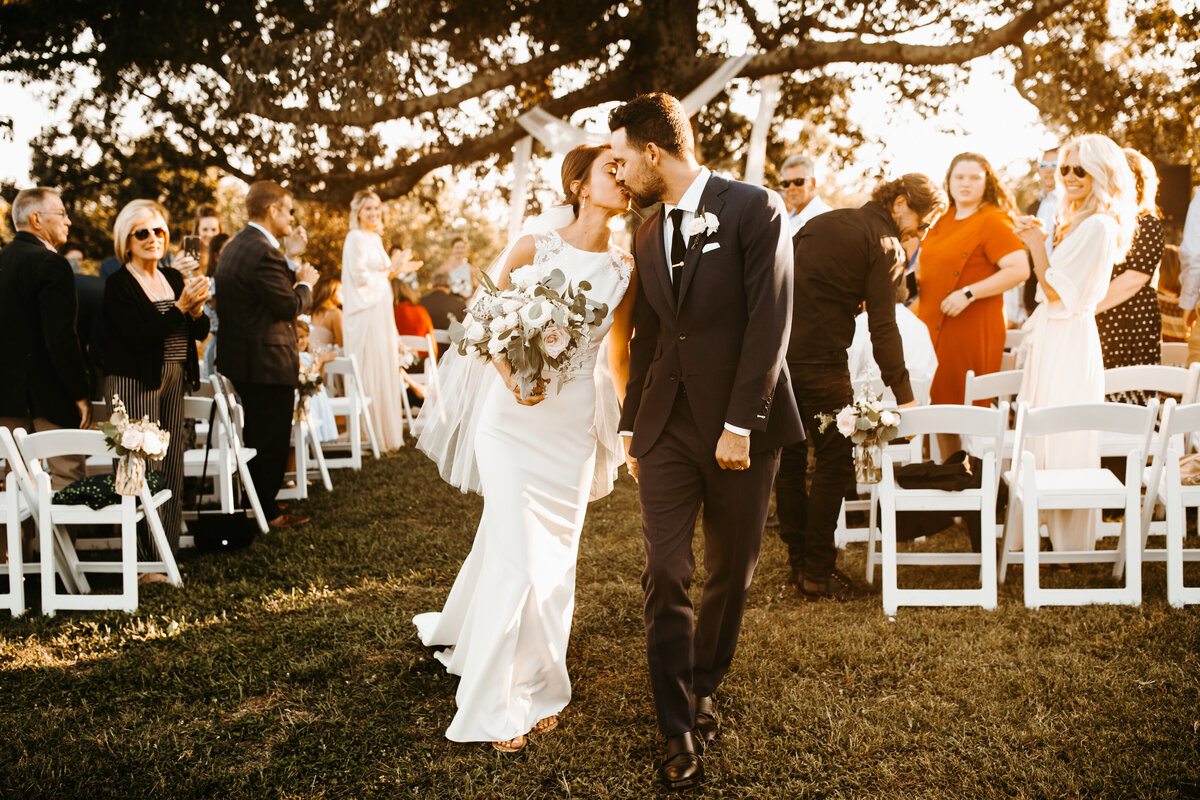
(764, 39)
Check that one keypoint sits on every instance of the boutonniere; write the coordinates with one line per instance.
(705, 222)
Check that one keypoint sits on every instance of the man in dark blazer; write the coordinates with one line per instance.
(708, 405)
(43, 375)
(441, 304)
(258, 299)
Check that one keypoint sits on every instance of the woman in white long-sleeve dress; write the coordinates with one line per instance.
(367, 321)
(1065, 363)
(537, 463)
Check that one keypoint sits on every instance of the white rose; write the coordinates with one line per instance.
(711, 223)
(131, 439)
(534, 315)
(695, 226)
(476, 332)
(847, 422)
(523, 278)
(889, 418)
(555, 341)
(511, 306)
(153, 444)
(511, 319)
(497, 325)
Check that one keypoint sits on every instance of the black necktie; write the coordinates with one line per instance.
(678, 249)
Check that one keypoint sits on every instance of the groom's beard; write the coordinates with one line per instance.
(651, 190)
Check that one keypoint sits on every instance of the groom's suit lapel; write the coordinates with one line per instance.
(659, 273)
(710, 202)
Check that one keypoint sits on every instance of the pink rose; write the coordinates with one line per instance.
(555, 341)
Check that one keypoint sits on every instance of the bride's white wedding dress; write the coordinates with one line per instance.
(508, 617)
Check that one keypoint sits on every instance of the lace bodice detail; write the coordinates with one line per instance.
(608, 273)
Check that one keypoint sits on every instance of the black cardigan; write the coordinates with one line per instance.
(135, 331)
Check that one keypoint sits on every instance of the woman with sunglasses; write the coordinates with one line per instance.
(152, 320)
(1128, 317)
(1096, 219)
(968, 260)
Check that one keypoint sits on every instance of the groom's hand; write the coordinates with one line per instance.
(630, 462)
(733, 451)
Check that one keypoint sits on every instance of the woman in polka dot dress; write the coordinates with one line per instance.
(1128, 317)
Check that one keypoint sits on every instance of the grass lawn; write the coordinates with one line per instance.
(291, 670)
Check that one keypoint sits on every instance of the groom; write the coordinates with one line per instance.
(707, 408)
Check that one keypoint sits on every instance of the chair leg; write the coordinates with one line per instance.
(159, 536)
(319, 455)
(371, 432)
(129, 554)
(16, 565)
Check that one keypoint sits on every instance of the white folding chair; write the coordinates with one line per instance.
(1013, 337)
(354, 405)
(228, 421)
(306, 444)
(1173, 354)
(983, 423)
(425, 379)
(441, 336)
(1032, 490)
(1179, 425)
(15, 512)
(52, 517)
(997, 387)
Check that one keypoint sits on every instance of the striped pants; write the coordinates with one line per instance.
(164, 405)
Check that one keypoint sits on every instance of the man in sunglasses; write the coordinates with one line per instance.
(43, 374)
(843, 258)
(798, 185)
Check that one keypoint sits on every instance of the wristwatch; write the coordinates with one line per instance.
(968, 293)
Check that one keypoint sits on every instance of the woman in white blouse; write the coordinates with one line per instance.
(367, 324)
(1096, 220)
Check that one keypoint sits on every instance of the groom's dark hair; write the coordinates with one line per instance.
(657, 117)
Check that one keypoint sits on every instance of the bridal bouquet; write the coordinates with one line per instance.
(536, 325)
(133, 441)
(870, 425)
(310, 381)
(408, 357)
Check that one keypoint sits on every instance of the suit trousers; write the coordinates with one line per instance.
(808, 518)
(268, 429)
(676, 477)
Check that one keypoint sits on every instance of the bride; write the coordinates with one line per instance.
(537, 462)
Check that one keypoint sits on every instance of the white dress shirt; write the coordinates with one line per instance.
(797, 219)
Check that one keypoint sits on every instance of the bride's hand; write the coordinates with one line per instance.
(537, 396)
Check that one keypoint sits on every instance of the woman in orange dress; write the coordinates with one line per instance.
(968, 260)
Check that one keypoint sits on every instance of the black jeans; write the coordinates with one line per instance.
(807, 520)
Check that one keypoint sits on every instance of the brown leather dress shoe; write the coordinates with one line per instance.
(287, 521)
(708, 722)
(681, 767)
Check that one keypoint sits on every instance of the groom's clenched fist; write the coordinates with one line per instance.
(733, 451)
(630, 461)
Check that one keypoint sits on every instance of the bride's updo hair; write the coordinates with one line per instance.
(577, 166)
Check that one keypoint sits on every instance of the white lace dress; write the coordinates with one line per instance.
(508, 617)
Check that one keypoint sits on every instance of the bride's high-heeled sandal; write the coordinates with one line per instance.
(512, 745)
(546, 725)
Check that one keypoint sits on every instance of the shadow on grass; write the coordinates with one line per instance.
(292, 670)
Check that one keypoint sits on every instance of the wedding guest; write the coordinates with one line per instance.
(920, 359)
(441, 304)
(969, 259)
(1127, 317)
(411, 317)
(206, 225)
(457, 269)
(208, 361)
(798, 182)
(1189, 275)
(369, 325)
(43, 374)
(89, 319)
(319, 406)
(1096, 222)
(326, 330)
(1045, 208)
(258, 298)
(843, 258)
(1173, 327)
(153, 317)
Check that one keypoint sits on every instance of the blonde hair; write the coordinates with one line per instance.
(1145, 181)
(133, 213)
(356, 203)
(1112, 189)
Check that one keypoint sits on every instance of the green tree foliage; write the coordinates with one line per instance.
(335, 95)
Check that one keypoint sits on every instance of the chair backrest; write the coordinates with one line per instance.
(1180, 420)
(1013, 338)
(61, 442)
(1153, 378)
(419, 343)
(1002, 385)
(441, 335)
(15, 461)
(960, 420)
(1105, 417)
(346, 368)
(1173, 354)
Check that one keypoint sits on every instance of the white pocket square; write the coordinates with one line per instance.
(710, 246)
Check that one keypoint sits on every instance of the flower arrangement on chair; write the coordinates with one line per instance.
(133, 441)
(309, 383)
(870, 425)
